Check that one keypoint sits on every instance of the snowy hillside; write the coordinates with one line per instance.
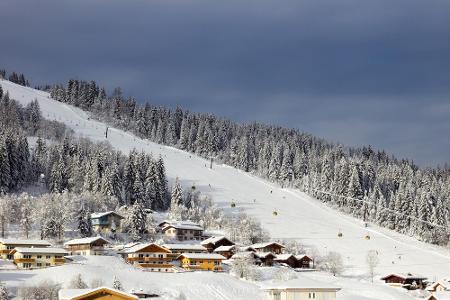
(299, 216)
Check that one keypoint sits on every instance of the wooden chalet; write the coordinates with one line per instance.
(150, 256)
(304, 261)
(216, 241)
(273, 247)
(408, 281)
(201, 261)
(7, 245)
(264, 258)
(183, 231)
(106, 222)
(287, 259)
(31, 258)
(226, 251)
(97, 293)
(87, 246)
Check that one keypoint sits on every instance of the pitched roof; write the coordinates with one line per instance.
(403, 276)
(266, 244)
(243, 254)
(224, 248)
(86, 240)
(47, 250)
(441, 295)
(202, 256)
(264, 254)
(79, 294)
(284, 256)
(214, 240)
(445, 282)
(102, 214)
(140, 247)
(25, 242)
(183, 226)
(301, 283)
(302, 256)
(196, 247)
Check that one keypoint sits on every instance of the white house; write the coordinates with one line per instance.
(300, 289)
(87, 246)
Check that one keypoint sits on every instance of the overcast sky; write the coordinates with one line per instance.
(352, 71)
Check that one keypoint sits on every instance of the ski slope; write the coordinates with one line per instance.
(299, 216)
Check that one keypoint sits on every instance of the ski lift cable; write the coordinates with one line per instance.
(384, 208)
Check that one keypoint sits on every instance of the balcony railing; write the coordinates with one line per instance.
(24, 260)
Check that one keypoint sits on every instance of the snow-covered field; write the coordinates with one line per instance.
(299, 216)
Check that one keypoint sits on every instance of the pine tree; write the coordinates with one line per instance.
(136, 221)
(117, 284)
(84, 222)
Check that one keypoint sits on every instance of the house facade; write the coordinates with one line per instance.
(287, 259)
(101, 293)
(226, 251)
(300, 289)
(106, 222)
(87, 246)
(304, 261)
(7, 245)
(183, 231)
(273, 247)
(177, 249)
(151, 256)
(408, 281)
(201, 261)
(215, 242)
(31, 258)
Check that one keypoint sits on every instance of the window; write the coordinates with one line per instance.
(141, 255)
(39, 264)
(39, 256)
(276, 295)
(27, 265)
(47, 257)
(312, 295)
(160, 255)
(47, 264)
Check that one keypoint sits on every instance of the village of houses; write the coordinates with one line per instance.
(189, 248)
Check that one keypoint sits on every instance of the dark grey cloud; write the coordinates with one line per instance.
(357, 72)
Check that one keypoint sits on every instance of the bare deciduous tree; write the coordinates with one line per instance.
(372, 261)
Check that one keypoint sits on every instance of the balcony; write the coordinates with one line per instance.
(24, 260)
(58, 260)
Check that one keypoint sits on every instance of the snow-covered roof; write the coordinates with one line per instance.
(445, 282)
(243, 254)
(86, 240)
(69, 294)
(404, 276)
(183, 226)
(139, 247)
(25, 242)
(301, 283)
(197, 247)
(213, 240)
(41, 250)
(102, 214)
(224, 248)
(264, 254)
(266, 244)
(284, 256)
(441, 295)
(301, 256)
(202, 256)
